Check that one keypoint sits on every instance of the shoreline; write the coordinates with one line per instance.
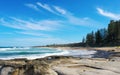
(114, 49)
(99, 50)
(64, 65)
(75, 52)
(61, 65)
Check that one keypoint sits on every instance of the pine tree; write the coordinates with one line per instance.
(98, 37)
(118, 31)
(111, 31)
(90, 38)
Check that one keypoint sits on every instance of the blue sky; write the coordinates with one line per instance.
(41, 22)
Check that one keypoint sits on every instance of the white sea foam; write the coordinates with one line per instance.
(34, 53)
(35, 56)
(14, 48)
(4, 49)
(81, 53)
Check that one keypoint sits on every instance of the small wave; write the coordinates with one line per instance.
(34, 53)
(21, 48)
(14, 48)
(34, 56)
(4, 49)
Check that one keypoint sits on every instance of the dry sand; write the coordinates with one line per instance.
(87, 67)
(92, 66)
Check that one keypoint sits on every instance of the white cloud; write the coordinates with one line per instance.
(60, 10)
(32, 6)
(88, 22)
(73, 20)
(44, 25)
(49, 25)
(46, 7)
(30, 27)
(70, 18)
(108, 14)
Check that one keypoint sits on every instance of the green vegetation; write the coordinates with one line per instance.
(102, 37)
(105, 37)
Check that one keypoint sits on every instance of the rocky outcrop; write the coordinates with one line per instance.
(61, 65)
(30, 67)
(26, 67)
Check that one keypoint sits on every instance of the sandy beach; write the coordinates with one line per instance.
(59, 37)
(115, 49)
(64, 65)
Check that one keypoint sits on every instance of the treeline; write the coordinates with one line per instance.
(104, 37)
(109, 36)
(67, 45)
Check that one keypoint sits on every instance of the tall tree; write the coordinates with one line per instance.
(111, 31)
(90, 38)
(98, 37)
(104, 34)
(118, 31)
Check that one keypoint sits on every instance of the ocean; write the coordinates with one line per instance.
(34, 53)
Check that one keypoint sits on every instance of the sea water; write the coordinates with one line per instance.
(33, 53)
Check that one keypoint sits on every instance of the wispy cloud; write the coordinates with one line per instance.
(108, 14)
(73, 20)
(44, 25)
(33, 6)
(60, 10)
(46, 7)
(49, 25)
(83, 21)
(70, 18)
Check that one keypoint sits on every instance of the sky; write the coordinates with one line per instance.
(42, 22)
